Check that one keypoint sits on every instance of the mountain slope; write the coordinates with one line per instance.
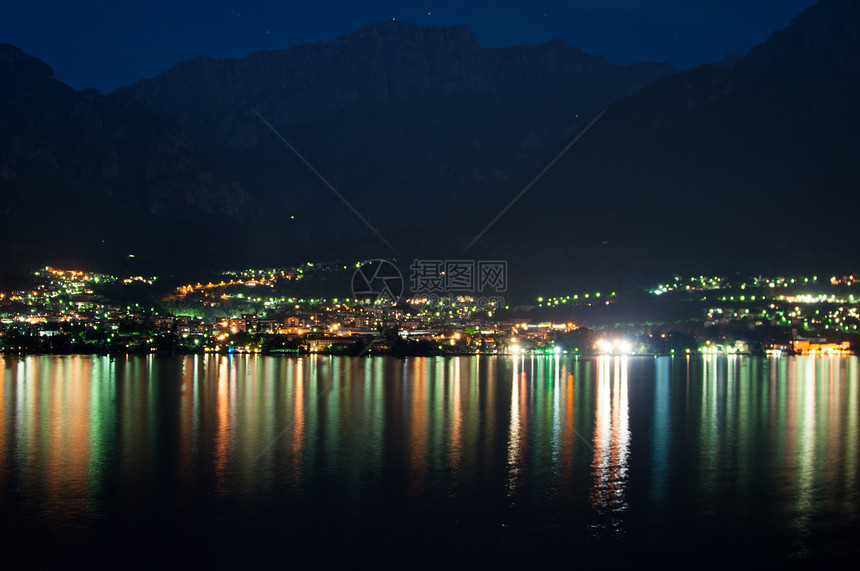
(747, 166)
(402, 119)
(90, 178)
(392, 62)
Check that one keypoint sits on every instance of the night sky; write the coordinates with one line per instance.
(108, 44)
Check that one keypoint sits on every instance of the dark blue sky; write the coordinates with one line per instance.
(110, 43)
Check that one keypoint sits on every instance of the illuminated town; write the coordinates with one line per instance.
(506, 285)
(258, 311)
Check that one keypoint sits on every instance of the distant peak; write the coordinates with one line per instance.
(16, 62)
(825, 34)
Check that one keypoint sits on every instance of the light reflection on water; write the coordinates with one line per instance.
(546, 451)
(611, 442)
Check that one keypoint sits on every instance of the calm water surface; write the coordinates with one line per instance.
(423, 462)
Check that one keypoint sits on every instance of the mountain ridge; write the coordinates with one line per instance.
(390, 62)
(90, 176)
(710, 169)
(745, 167)
(393, 115)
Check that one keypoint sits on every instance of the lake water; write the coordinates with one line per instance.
(428, 462)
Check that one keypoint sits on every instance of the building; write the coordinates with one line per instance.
(821, 347)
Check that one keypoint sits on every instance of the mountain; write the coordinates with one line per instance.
(746, 165)
(824, 38)
(90, 179)
(402, 119)
(750, 165)
(392, 62)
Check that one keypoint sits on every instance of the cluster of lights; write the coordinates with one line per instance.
(697, 283)
(705, 283)
(517, 349)
(614, 347)
(571, 299)
(710, 349)
(53, 300)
